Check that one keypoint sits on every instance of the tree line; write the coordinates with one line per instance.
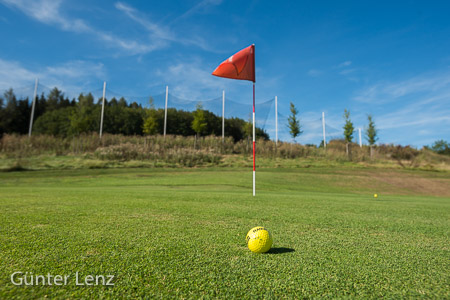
(56, 114)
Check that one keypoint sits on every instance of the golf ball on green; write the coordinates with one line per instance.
(259, 240)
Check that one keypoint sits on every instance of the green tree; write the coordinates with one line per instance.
(41, 105)
(234, 127)
(371, 133)
(151, 124)
(131, 121)
(294, 123)
(9, 112)
(348, 130)
(86, 116)
(199, 123)
(2, 118)
(55, 100)
(122, 102)
(214, 122)
(248, 128)
(16, 114)
(54, 122)
(441, 147)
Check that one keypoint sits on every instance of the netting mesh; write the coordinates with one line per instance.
(333, 133)
(311, 124)
(234, 108)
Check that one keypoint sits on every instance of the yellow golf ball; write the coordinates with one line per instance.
(259, 240)
(375, 195)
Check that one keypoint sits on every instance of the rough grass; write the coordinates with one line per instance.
(89, 151)
(181, 233)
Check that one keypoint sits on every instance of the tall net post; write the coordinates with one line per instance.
(323, 126)
(165, 111)
(32, 107)
(360, 140)
(103, 109)
(276, 120)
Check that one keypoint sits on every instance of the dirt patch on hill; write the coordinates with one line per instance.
(400, 183)
(415, 184)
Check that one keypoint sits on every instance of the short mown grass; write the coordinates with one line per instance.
(181, 233)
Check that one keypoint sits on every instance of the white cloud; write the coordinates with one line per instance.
(49, 12)
(344, 64)
(418, 116)
(199, 7)
(409, 108)
(156, 31)
(161, 35)
(191, 80)
(410, 111)
(382, 93)
(12, 74)
(77, 69)
(424, 132)
(314, 73)
(347, 71)
(72, 77)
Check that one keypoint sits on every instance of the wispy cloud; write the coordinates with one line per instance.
(405, 125)
(387, 92)
(72, 77)
(314, 73)
(421, 113)
(76, 69)
(418, 105)
(157, 32)
(12, 74)
(160, 34)
(191, 80)
(198, 8)
(50, 12)
(347, 71)
(344, 64)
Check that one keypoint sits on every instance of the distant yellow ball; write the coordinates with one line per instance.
(375, 195)
(259, 240)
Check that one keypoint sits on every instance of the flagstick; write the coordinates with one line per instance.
(223, 116)
(254, 166)
(323, 126)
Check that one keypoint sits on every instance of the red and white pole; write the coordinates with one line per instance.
(254, 136)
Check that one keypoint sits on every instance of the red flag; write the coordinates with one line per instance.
(239, 66)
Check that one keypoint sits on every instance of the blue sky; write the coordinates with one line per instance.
(387, 58)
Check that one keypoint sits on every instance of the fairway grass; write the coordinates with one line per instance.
(181, 232)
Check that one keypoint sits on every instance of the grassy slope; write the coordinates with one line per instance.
(181, 232)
